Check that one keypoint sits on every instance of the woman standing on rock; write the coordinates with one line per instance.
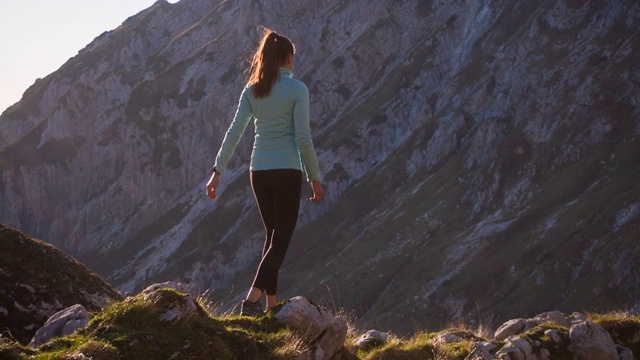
(282, 147)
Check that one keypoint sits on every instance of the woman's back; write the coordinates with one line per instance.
(281, 121)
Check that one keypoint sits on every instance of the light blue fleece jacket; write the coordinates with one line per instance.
(282, 132)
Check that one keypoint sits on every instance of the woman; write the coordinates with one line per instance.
(282, 147)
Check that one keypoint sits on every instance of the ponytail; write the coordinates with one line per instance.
(272, 52)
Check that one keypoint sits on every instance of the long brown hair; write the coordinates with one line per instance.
(272, 52)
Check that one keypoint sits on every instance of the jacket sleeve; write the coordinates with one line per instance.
(244, 113)
(303, 134)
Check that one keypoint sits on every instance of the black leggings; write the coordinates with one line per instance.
(277, 193)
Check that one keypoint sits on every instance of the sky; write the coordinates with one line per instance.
(38, 36)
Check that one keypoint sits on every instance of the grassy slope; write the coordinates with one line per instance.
(132, 329)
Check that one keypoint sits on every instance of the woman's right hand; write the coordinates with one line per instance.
(212, 185)
(317, 190)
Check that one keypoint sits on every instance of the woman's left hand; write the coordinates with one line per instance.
(212, 185)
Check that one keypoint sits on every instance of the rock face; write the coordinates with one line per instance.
(37, 280)
(479, 157)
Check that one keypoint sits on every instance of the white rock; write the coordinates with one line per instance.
(308, 319)
(184, 308)
(590, 341)
(332, 340)
(370, 339)
(323, 333)
(511, 327)
(64, 322)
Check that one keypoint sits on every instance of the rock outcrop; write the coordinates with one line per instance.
(323, 333)
(479, 157)
(37, 280)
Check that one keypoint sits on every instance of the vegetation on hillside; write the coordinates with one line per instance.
(133, 329)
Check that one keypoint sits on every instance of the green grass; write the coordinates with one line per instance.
(132, 329)
(418, 347)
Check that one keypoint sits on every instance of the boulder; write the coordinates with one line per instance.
(330, 343)
(509, 328)
(516, 348)
(590, 341)
(62, 323)
(174, 306)
(371, 339)
(323, 333)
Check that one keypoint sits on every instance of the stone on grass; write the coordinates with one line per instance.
(64, 322)
(371, 339)
(590, 341)
(174, 306)
(323, 333)
(509, 328)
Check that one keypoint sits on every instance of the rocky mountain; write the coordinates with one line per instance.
(38, 280)
(481, 159)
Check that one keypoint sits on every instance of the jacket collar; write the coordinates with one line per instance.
(286, 72)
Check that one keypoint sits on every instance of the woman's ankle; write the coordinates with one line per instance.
(254, 295)
(272, 301)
